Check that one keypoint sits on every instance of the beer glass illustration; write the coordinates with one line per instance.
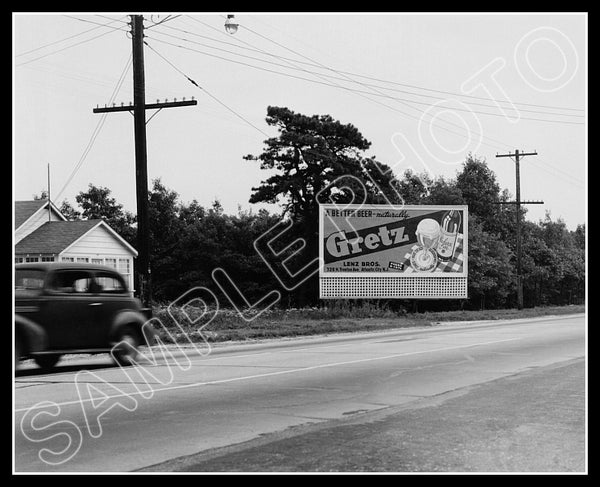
(424, 258)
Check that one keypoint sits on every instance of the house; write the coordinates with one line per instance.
(43, 234)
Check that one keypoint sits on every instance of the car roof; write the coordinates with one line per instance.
(51, 266)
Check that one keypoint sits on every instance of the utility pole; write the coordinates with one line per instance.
(49, 200)
(517, 156)
(142, 272)
(141, 161)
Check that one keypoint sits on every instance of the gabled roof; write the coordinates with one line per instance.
(55, 237)
(24, 210)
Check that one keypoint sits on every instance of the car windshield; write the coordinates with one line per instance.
(29, 279)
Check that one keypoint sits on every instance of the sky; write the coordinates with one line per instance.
(425, 89)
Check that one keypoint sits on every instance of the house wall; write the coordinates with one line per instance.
(34, 222)
(99, 246)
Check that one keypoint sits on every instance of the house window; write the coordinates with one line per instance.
(48, 259)
(124, 266)
(18, 260)
(68, 259)
(32, 259)
(111, 263)
(83, 259)
(97, 261)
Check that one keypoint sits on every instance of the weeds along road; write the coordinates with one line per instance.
(226, 411)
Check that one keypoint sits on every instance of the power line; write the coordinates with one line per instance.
(328, 84)
(96, 131)
(114, 20)
(317, 65)
(313, 63)
(423, 113)
(97, 23)
(558, 173)
(316, 74)
(64, 48)
(294, 66)
(445, 92)
(319, 75)
(167, 19)
(193, 82)
(347, 88)
(381, 94)
(205, 90)
(64, 39)
(577, 182)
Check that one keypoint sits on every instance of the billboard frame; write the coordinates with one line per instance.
(390, 285)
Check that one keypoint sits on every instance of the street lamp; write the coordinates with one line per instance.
(231, 26)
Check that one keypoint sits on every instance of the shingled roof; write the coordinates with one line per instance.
(25, 209)
(54, 237)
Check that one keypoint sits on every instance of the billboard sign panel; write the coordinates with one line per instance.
(358, 241)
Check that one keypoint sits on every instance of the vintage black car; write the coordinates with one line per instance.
(64, 308)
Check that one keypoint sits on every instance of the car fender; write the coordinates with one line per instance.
(128, 318)
(34, 336)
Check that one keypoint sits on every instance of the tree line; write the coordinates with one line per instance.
(309, 154)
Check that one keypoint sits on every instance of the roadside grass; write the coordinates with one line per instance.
(228, 325)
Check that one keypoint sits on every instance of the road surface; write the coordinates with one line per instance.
(238, 401)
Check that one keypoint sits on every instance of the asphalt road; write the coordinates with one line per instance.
(231, 410)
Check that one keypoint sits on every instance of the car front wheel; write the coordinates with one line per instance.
(126, 350)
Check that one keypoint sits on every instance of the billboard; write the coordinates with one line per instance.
(376, 243)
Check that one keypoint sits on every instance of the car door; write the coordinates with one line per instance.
(69, 309)
(110, 297)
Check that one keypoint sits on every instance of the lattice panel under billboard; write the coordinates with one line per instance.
(393, 287)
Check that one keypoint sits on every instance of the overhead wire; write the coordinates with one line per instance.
(557, 172)
(63, 39)
(314, 81)
(546, 167)
(571, 179)
(194, 82)
(64, 48)
(241, 117)
(319, 75)
(379, 94)
(362, 94)
(504, 145)
(76, 44)
(512, 102)
(96, 23)
(97, 129)
(110, 18)
(346, 78)
(167, 19)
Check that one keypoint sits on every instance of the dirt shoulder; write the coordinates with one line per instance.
(229, 326)
(529, 422)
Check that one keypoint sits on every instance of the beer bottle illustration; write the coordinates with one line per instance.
(449, 233)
